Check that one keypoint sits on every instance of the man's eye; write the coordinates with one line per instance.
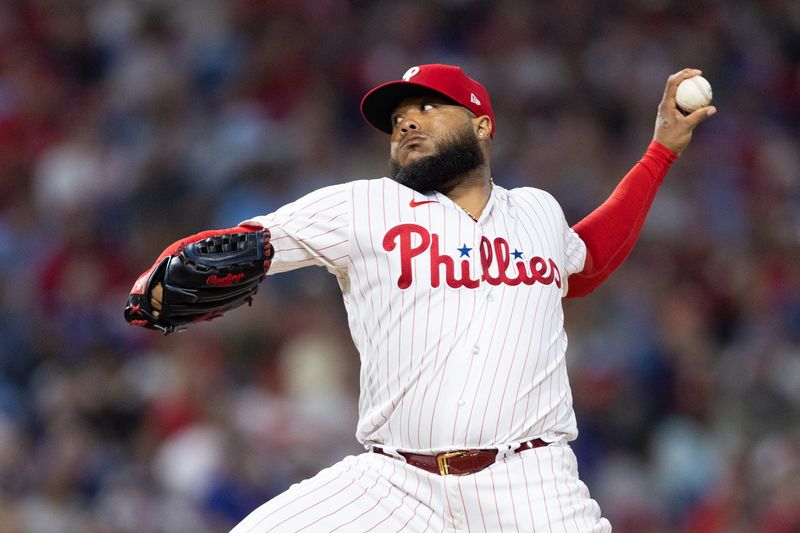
(427, 107)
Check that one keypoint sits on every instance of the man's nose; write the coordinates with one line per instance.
(408, 123)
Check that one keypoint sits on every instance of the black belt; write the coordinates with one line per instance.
(458, 462)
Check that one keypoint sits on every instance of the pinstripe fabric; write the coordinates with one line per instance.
(534, 491)
(443, 365)
(460, 330)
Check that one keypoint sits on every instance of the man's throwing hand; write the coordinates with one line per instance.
(673, 129)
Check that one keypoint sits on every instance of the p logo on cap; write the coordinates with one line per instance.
(447, 81)
(410, 73)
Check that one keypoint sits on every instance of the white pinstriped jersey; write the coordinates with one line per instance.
(459, 324)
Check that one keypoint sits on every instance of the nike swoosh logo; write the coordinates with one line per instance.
(415, 203)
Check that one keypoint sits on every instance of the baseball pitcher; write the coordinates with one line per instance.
(453, 288)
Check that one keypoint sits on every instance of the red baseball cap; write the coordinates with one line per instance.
(445, 80)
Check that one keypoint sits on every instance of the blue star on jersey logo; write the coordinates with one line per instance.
(517, 254)
(464, 250)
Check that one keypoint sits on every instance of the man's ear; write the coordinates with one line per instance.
(483, 126)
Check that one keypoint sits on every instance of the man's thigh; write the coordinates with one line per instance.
(362, 493)
(536, 490)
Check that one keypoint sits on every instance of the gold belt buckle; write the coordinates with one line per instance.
(441, 459)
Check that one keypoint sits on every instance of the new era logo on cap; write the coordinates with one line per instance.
(445, 80)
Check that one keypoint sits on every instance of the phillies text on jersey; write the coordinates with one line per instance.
(459, 324)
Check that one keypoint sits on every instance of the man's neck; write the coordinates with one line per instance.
(472, 193)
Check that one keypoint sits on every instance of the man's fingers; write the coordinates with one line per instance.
(696, 117)
(675, 80)
(155, 299)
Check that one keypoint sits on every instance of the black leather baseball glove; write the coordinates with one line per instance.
(201, 279)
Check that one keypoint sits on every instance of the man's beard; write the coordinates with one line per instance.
(455, 156)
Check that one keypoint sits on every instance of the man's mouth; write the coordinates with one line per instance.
(412, 139)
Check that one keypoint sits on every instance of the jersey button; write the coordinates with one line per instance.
(490, 298)
(461, 403)
(476, 350)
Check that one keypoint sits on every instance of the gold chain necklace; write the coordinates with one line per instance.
(470, 215)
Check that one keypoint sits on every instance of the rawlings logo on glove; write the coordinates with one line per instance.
(230, 279)
(201, 278)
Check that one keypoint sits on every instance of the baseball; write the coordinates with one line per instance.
(693, 93)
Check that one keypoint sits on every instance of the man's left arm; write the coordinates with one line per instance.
(611, 231)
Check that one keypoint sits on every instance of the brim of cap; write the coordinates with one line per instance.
(378, 104)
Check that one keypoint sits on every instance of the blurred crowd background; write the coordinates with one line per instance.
(127, 124)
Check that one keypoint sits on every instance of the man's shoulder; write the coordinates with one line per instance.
(384, 186)
(343, 187)
(530, 193)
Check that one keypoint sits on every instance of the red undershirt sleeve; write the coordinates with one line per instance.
(611, 231)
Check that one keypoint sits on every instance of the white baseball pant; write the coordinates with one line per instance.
(534, 490)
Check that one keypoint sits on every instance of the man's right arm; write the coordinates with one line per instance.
(313, 230)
